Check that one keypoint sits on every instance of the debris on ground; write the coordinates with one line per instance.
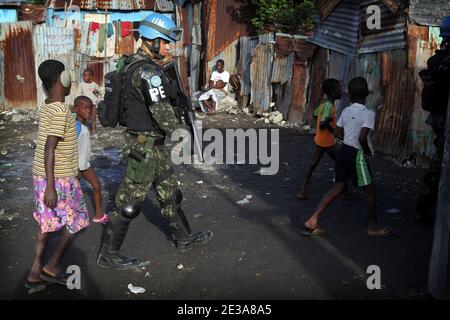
(245, 200)
(135, 290)
(276, 117)
(392, 211)
(8, 217)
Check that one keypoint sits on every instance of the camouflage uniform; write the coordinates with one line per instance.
(157, 166)
(153, 167)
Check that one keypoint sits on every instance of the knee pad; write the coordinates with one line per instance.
(131, 209)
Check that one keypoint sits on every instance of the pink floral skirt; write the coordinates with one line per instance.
(70, 210)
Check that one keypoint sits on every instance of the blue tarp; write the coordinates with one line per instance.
(8, 15)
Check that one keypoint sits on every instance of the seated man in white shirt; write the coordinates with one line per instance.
(217, 89)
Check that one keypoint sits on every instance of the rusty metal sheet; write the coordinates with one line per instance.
(394, 118)
(393, 5)
(392, 34)
(32, 12)
(284, 44)
(124, 45)
(164, 6)
(300, 78)
(105, 4)
(319, 70)
(282, 68)
(303, 49)
(340, 31)
(223, 27)
(325, 7)
(422, 42)
(19, 79)
(2, 95)
(428, 12)
(185, 26)
(261, 73)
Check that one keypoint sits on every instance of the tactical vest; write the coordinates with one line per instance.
(137, 117)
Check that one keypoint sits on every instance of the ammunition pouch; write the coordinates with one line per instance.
(141, 165)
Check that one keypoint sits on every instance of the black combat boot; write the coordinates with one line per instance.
(194, 240)
(182, 236)
(109, 256)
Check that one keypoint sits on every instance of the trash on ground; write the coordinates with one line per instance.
(245, 200)
(136, 290)
(392, 211)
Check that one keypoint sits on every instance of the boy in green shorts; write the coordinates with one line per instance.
(353, 127)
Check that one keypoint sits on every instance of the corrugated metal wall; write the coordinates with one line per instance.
(110, 4)
(19, 79)
(261, 75)
(422, 42)
(223, 27)
(428, 12)
(392, 34)
(319, 70)
(54, 43)
(340, 30)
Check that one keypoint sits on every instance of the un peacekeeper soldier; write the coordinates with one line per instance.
(438, 66)
(149, 118)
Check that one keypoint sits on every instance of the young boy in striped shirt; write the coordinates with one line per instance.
(353, 126)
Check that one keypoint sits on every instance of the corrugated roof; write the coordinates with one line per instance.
(340, 31)
(124, 5)
(392, 33)
(428, 12)
(393, 5)
(9, 3)
(325, 7)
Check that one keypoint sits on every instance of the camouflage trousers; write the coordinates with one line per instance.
(153, 170)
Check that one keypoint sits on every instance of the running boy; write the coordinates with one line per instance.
(91, 90)
(325, 114)
(83, 108)
(57, 191)
(353, 126)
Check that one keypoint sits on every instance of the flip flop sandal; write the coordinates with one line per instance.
(383, 232)
(313, 232)
(59, 279)
(34, 287)
(102, 220)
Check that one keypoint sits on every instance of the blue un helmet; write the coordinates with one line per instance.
(444, 30)
(157, 25)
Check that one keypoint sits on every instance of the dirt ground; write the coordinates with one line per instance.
(257, 251)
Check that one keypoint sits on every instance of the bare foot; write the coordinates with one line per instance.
(52, 270)
(34, 277)
(35, 271)
(302, 195)
(311, 224)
